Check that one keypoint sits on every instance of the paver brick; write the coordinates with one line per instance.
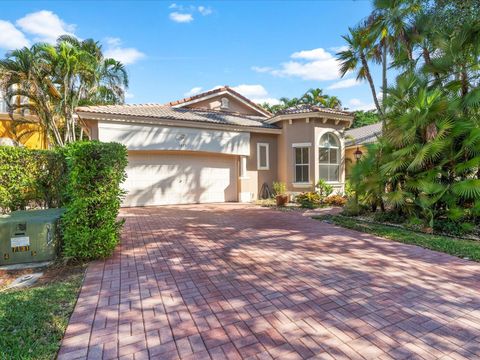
(236, 281)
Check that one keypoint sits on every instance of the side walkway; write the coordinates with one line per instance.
(242, 282)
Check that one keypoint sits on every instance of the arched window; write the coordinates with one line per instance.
(329, 157)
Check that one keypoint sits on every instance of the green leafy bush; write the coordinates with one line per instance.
(31, 178)
(95, 171)
(334, 200)
(308, 200)
(279, 188)
(324, 189)
(393, 217)
(352, 208)
(450, 227)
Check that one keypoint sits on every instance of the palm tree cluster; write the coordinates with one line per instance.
(311, 97)
(44, 84)
(427, 163)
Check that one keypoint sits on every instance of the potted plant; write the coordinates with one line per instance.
(280, 193)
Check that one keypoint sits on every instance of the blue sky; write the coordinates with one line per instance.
(264, 49)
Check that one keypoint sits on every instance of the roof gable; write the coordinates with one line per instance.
(240, 103)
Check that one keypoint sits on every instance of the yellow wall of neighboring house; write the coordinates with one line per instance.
(33, 137)
(350, 157)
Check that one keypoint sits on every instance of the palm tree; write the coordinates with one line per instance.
(355, 58)
(52, 80)
(313, 97)
(332, 102)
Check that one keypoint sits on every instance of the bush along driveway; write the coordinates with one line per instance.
(234, 281)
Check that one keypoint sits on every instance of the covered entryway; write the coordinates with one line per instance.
(176, 177)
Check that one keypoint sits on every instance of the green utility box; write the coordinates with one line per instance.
(29, 236)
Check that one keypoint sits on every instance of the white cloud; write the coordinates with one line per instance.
(314, 54)
(269, 101)
(256, 92)
(129, 95)
(193, 91)
(181, 17)
(126, 56)
(357, 104)
(45, 26)
(316, 64)
(337, 49)
(343, 84)
(173, 6)
(261, 69)
(10, 37)
(204, 10)
(251, 91)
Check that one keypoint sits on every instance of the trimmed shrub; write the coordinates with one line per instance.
(95, 172)
(31, 178)
(334, 200)
(308, 200)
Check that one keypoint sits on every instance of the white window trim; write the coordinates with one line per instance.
(295, 146)
(267, 146)
(339, 147)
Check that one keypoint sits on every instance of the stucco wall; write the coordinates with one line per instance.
(29, 135)
(301, 132)
(152, 137)
(254, 179)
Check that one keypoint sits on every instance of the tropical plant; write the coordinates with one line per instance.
(363, 118)
(324, 189)
(356, 57)
(279, 187)
(45, 83)
(426, 166)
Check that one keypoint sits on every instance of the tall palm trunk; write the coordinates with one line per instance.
(384, 79)
(368, 75)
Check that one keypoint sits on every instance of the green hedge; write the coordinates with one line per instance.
(31, 178)
(95, 171)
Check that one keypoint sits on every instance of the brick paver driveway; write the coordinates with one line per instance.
(232, 281)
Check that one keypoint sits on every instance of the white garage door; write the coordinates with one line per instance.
(160, 178)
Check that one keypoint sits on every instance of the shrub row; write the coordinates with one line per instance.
(83, 177)
(31, 178)
(95, 172)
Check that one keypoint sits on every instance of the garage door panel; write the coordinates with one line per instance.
(163, 178)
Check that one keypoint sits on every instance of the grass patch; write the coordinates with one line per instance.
(33, 320)
(456, 247)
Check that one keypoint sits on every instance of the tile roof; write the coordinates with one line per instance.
(307, 108)
(363, 135)
(157, 111)
(215, 91)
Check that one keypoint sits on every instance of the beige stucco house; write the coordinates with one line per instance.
(219, 146)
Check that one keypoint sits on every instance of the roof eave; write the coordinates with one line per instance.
(169, 122)
(310, 115)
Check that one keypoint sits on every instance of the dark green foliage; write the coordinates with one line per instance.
(393, 217)
(95, 171)
(364, 118)
(450, 227)
(33, 178)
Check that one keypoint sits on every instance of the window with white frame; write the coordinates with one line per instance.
(224, 103)
(302, 167)
(329, 158)
(263, 156)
